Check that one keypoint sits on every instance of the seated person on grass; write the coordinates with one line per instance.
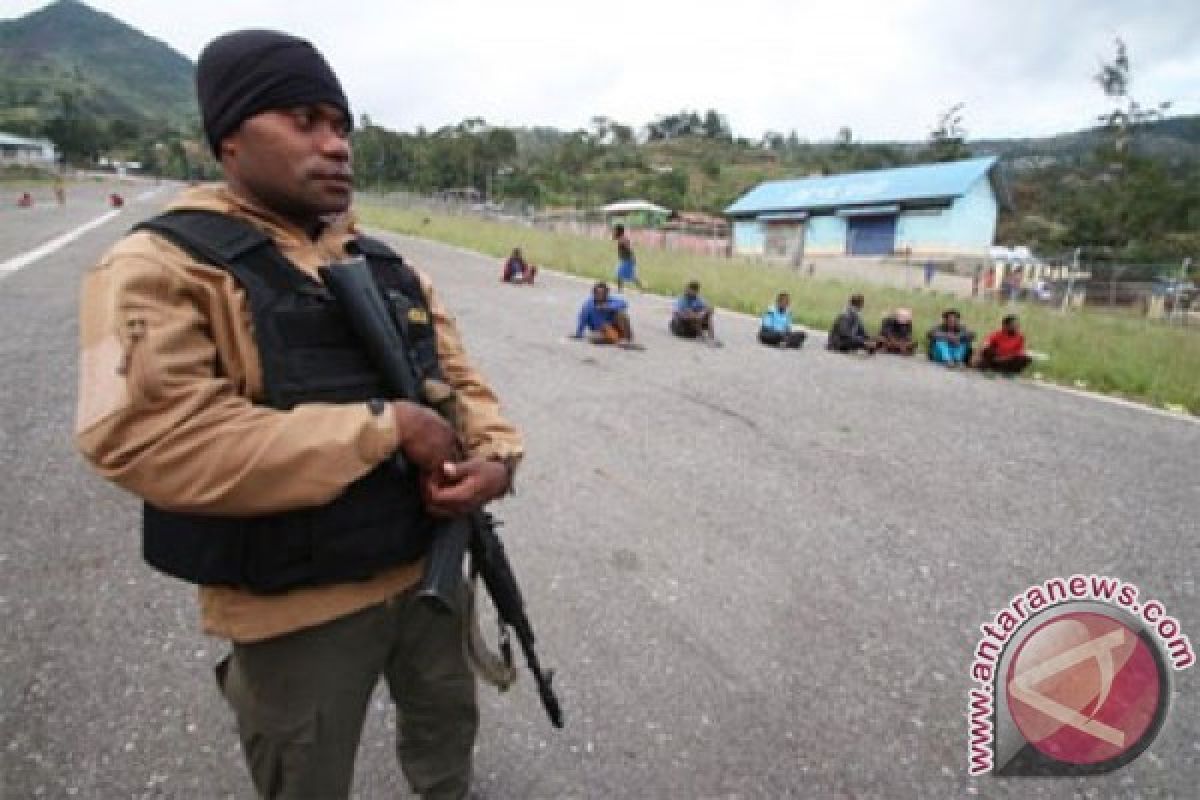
(692, 317)
(776, 330)
(950, 342)
(848, 334)
(516, 270)
(607, 317)
(1004, 349)
(895, 333)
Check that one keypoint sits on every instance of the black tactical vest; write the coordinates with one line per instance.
(309, 354)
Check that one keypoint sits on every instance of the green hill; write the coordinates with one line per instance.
(701, 172)
(1172, 139)
(68, 61)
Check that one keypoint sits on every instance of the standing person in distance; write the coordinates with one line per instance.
(626, 263)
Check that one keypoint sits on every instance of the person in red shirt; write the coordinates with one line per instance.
(517, 270)
(1004, 350)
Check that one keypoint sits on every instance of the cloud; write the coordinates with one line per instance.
(885, 69)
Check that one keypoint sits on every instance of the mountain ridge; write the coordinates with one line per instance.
(70, 59)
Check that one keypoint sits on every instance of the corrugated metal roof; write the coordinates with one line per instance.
(868, 211)
(923, 182)
(630, 206)
(21, 141)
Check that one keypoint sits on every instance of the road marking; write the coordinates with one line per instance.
(1112, 400)
(55, 244)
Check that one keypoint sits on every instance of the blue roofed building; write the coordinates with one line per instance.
(931, 210)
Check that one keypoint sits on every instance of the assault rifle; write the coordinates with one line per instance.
(384, 335)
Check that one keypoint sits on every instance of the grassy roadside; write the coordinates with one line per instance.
(18, 184)
(1122, 356)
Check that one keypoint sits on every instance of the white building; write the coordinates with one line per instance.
(33, 152)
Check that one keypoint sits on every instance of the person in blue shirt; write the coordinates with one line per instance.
(693, 317)
(607, 317)
(950, 343)
(776, 329)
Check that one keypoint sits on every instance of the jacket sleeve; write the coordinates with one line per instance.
(581, 324)
(158, 417)
(484, 429)
(848, 329)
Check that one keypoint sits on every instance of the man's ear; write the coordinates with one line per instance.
(228, 148)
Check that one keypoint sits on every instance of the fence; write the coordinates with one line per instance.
(593, 224)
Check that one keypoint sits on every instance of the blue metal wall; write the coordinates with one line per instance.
(966, 227)
(748, 236)
(826, 236)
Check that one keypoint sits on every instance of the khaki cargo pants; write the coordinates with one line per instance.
(301, 700)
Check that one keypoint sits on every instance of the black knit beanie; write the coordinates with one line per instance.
(245, 72)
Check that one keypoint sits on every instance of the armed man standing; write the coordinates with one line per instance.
(220, 382)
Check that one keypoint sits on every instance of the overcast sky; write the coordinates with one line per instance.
(885, 69)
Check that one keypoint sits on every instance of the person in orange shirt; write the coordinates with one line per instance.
(1004, 349)
(237, 403)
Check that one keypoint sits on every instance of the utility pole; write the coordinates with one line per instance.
(1178, 307)
(1071, 279)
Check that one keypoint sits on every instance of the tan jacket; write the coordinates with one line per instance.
(168, 377)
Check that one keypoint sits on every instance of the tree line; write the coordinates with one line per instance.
(1115, 197)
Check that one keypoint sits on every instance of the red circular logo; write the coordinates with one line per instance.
(1084, 688)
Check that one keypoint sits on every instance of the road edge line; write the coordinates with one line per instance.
(57, 243)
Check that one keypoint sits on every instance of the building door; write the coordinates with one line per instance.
(783, 239)
(871, 236)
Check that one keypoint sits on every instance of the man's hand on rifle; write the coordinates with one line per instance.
(427, 440)
(463, 487)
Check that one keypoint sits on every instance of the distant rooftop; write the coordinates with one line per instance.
(21, 141)
(633, 206)
(923, 182)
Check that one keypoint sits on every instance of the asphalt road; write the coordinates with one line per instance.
(759, 574)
